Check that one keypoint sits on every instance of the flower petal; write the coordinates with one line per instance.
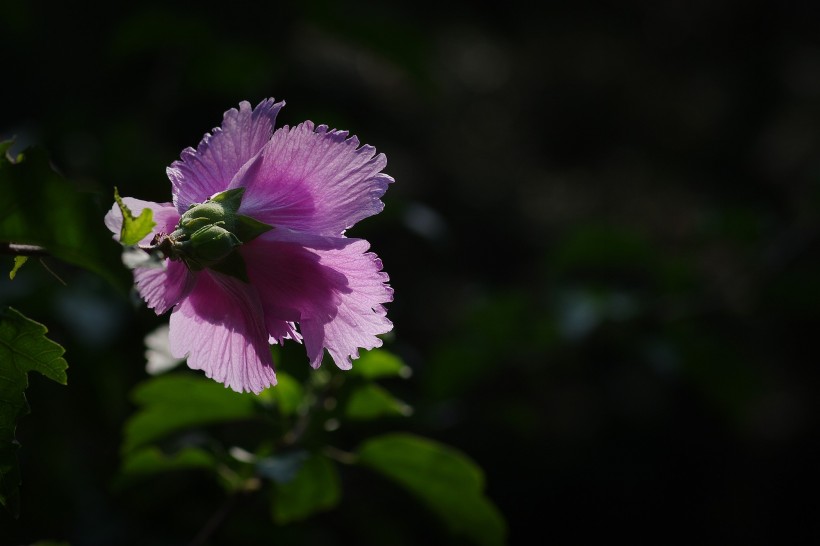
(333, 287)
(316, 181)
(163, 288)
(165, 216)
(220, 155)
(220, 328)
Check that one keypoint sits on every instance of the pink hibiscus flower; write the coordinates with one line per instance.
(254, 249)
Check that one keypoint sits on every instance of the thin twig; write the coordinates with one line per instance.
(344, 457)
(55, 275)
(215, 521)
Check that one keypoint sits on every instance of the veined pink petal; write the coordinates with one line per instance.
(220, 327)
(165, 217)
(221, 154)
(316, 181)
(163, 288)
(331, 286)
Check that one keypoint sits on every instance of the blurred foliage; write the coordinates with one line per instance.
(41, 208)
(603, 236)
(446, 480)
(288, 457)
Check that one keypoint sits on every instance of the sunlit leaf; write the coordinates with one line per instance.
(24, 347)
(378, 363)
(134, 229)
(174, 402)
(39, 207)
(18, 263)
(315, 488)
(371, 401)
(447, 481)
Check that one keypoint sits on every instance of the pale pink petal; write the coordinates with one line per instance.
(280, 330)
(316, 181)
(220, 328)
(221, 154)
(162, 288)
(332, 287)
(165, 217)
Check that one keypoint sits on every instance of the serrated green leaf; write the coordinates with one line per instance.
(447, 481)
(134, 229)
(24, 347)
(314, 489)
(152, 460)
(18, 263)
(39, 207)
(371, 401)
(174, 402)
(378, 363)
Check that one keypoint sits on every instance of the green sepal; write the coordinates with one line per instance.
(234, 266)
(230, 199)
(248, 229)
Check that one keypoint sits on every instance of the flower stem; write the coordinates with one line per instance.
(215, 521)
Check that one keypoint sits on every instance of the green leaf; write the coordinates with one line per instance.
(152, 460)
(23, 348)
(39, 207)
(18, 263)
(378, 363)
(447, 481)
(134, 229)
(174, 402)
(287, 394)
(315, 488)
(370, 401)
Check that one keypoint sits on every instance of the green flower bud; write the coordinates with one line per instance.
(200, 216)
(208, 246)
(208, 233)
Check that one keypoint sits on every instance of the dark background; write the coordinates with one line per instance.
(603, 239)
